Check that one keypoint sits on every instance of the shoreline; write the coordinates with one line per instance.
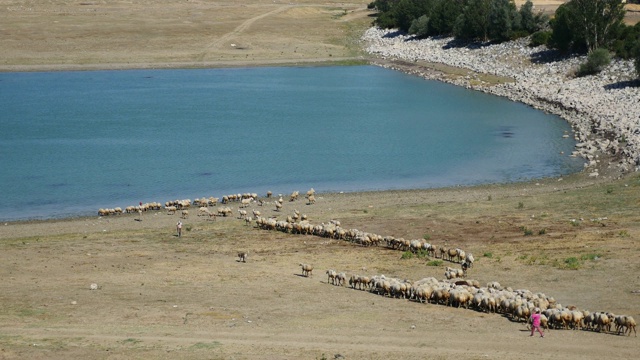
(471, 193)
(326, 61)
(599, 108)
(606, 160)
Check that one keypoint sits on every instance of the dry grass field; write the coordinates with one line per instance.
(164, 297)
(66, 34)
(161, 296)
(63, 34)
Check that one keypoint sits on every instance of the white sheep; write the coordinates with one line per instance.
(246, 202)
(331, 276)
(306, 269)
(624, 324)
(171, 209)
(469, 260)
(451, 273)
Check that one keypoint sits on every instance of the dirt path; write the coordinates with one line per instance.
(433, 344)
(239, 29)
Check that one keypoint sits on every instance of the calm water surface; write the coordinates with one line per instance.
(73, 142)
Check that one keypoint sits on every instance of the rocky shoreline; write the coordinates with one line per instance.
(603, 109)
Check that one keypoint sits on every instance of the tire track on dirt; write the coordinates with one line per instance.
(239, 29)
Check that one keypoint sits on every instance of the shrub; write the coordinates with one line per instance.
(420, 26)
(520, 205)
(572, 263)
(426, 236)
(434, 263)
(422, 254)
(527, 232)
(590, 256)
(624, 46)
(542, 231)
(637, 60)
(540, 38)
(488, 255)
(596, 62)
(407, 255)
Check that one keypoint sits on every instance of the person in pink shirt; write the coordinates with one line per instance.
(535, 322)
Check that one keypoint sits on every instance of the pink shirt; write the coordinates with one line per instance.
(535, 319)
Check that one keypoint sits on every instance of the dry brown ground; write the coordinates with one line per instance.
(60, 34)
(69, 35)
(164, 297)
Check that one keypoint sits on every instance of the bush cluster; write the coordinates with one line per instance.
(596, 62)
(581, 26)
(469, 20)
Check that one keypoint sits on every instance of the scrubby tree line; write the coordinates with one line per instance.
(595, 27)
(470, 20)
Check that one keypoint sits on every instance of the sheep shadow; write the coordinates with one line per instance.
(623, 84)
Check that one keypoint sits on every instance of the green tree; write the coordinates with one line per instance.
(562, 36)
(589, 24)
(627, 40)
(405, 12)
(444, 15)
(527, 19)
(637, 59)
(473, 23)
(597, 21)
(382, 5)
(531, 22)
(504, 19)
(400, 13)
(420, 26)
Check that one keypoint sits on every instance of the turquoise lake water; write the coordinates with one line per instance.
(73, 142)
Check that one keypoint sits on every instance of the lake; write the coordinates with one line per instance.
(73, 142)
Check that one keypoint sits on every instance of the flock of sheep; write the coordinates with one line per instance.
(172, 206)
(517, 305)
